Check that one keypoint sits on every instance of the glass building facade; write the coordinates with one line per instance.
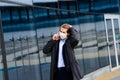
(26, 28)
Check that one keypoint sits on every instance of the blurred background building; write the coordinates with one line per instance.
(26, 26)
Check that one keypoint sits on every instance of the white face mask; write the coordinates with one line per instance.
(62, 35)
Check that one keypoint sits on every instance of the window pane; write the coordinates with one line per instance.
(105, 6)
(67, 5)
(48, 3)
(1, 59)
(117, 36)
(102, 41)
(89, 43)
(20, 44)
(83, 5)
(111, 42)
(100, 6)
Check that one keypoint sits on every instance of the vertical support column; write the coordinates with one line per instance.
(3, 50)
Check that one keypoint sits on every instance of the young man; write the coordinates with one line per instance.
(63, 63)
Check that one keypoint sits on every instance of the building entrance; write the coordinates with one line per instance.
(112, 24)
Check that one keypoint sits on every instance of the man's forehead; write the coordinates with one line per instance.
(63, 30)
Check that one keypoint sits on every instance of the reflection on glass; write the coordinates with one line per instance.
(102, 41)
(89, 43)
(2, 53)
(67, 5)
(105, 6)
(20, 44)
(1, 62)
(117, 37)
(46, 3)
(83, 5)
(90, 59)
(101, 6)
(111, 43)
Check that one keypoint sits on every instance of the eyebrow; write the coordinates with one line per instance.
(61, 31)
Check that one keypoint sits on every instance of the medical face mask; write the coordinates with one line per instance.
(62, 35)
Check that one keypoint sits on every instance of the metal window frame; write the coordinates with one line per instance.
(111, 17)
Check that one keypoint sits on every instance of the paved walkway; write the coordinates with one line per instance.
(114, 75)
(116, 78)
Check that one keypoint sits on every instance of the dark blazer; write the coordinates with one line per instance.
(68, 54)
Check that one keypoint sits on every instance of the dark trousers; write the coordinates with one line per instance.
(64, 74)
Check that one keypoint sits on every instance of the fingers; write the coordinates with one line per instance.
(55, 37)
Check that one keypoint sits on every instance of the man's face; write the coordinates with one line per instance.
(63, 30)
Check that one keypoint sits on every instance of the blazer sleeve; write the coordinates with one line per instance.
(74, 37)
(49, 46)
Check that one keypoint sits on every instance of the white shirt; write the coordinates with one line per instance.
(60, 56)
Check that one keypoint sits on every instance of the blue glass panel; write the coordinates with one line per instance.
(89, 43)
(20, 43)
(51, 4)
(1, 61)
(105, 6)
(102, 41)
(68, 5)
(83, 5)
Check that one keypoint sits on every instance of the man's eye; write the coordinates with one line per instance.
(60, 31)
